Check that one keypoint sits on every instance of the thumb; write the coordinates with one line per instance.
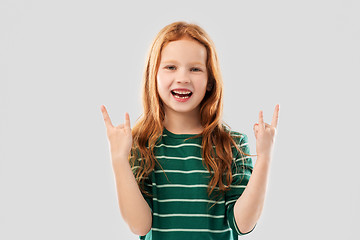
(256, 127)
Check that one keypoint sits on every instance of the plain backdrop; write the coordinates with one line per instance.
(61, 60)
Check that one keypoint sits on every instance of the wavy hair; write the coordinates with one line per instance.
(149, 127)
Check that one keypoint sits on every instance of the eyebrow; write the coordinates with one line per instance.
(173, 61)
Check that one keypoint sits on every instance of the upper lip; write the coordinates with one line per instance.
(181, 89)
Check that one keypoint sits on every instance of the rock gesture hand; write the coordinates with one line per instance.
(265, 134)
(120, 137)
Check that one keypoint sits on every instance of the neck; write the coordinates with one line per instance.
(183, 123)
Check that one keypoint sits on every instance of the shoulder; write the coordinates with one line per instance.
(242, 143)
(239, 137)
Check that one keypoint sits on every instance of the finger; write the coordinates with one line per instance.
(268, 127)
(261, 120)
(106, 117)
(275, 119)
(127, 120)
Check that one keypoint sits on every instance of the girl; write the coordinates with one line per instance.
(181, 173)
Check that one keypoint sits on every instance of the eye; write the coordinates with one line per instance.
(197, 69)
(169, 67)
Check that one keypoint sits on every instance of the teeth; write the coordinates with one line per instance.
(181, 92)
(181, 97)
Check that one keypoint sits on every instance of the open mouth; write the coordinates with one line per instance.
(181, 96)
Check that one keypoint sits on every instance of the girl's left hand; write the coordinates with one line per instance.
(265, 134)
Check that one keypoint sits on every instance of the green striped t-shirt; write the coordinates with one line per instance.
(180, 205)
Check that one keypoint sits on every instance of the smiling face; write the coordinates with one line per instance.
(183, 67)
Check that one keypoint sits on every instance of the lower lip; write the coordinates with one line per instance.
(182, 99)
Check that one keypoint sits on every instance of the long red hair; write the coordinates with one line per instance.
(149, 127)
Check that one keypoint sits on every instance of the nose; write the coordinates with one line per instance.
(182, 76)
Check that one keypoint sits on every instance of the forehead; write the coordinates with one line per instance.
(184, 50)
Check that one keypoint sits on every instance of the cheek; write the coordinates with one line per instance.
(162, 82)
(201, 83)
(161, 88)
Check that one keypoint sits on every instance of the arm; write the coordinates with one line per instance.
(133, 207)
(249, 206)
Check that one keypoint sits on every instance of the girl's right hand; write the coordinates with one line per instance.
(120, 137)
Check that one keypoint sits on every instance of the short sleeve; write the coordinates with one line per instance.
(242, 168)
(148, 188)
(147, 183)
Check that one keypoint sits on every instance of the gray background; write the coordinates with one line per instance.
(61, 60)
